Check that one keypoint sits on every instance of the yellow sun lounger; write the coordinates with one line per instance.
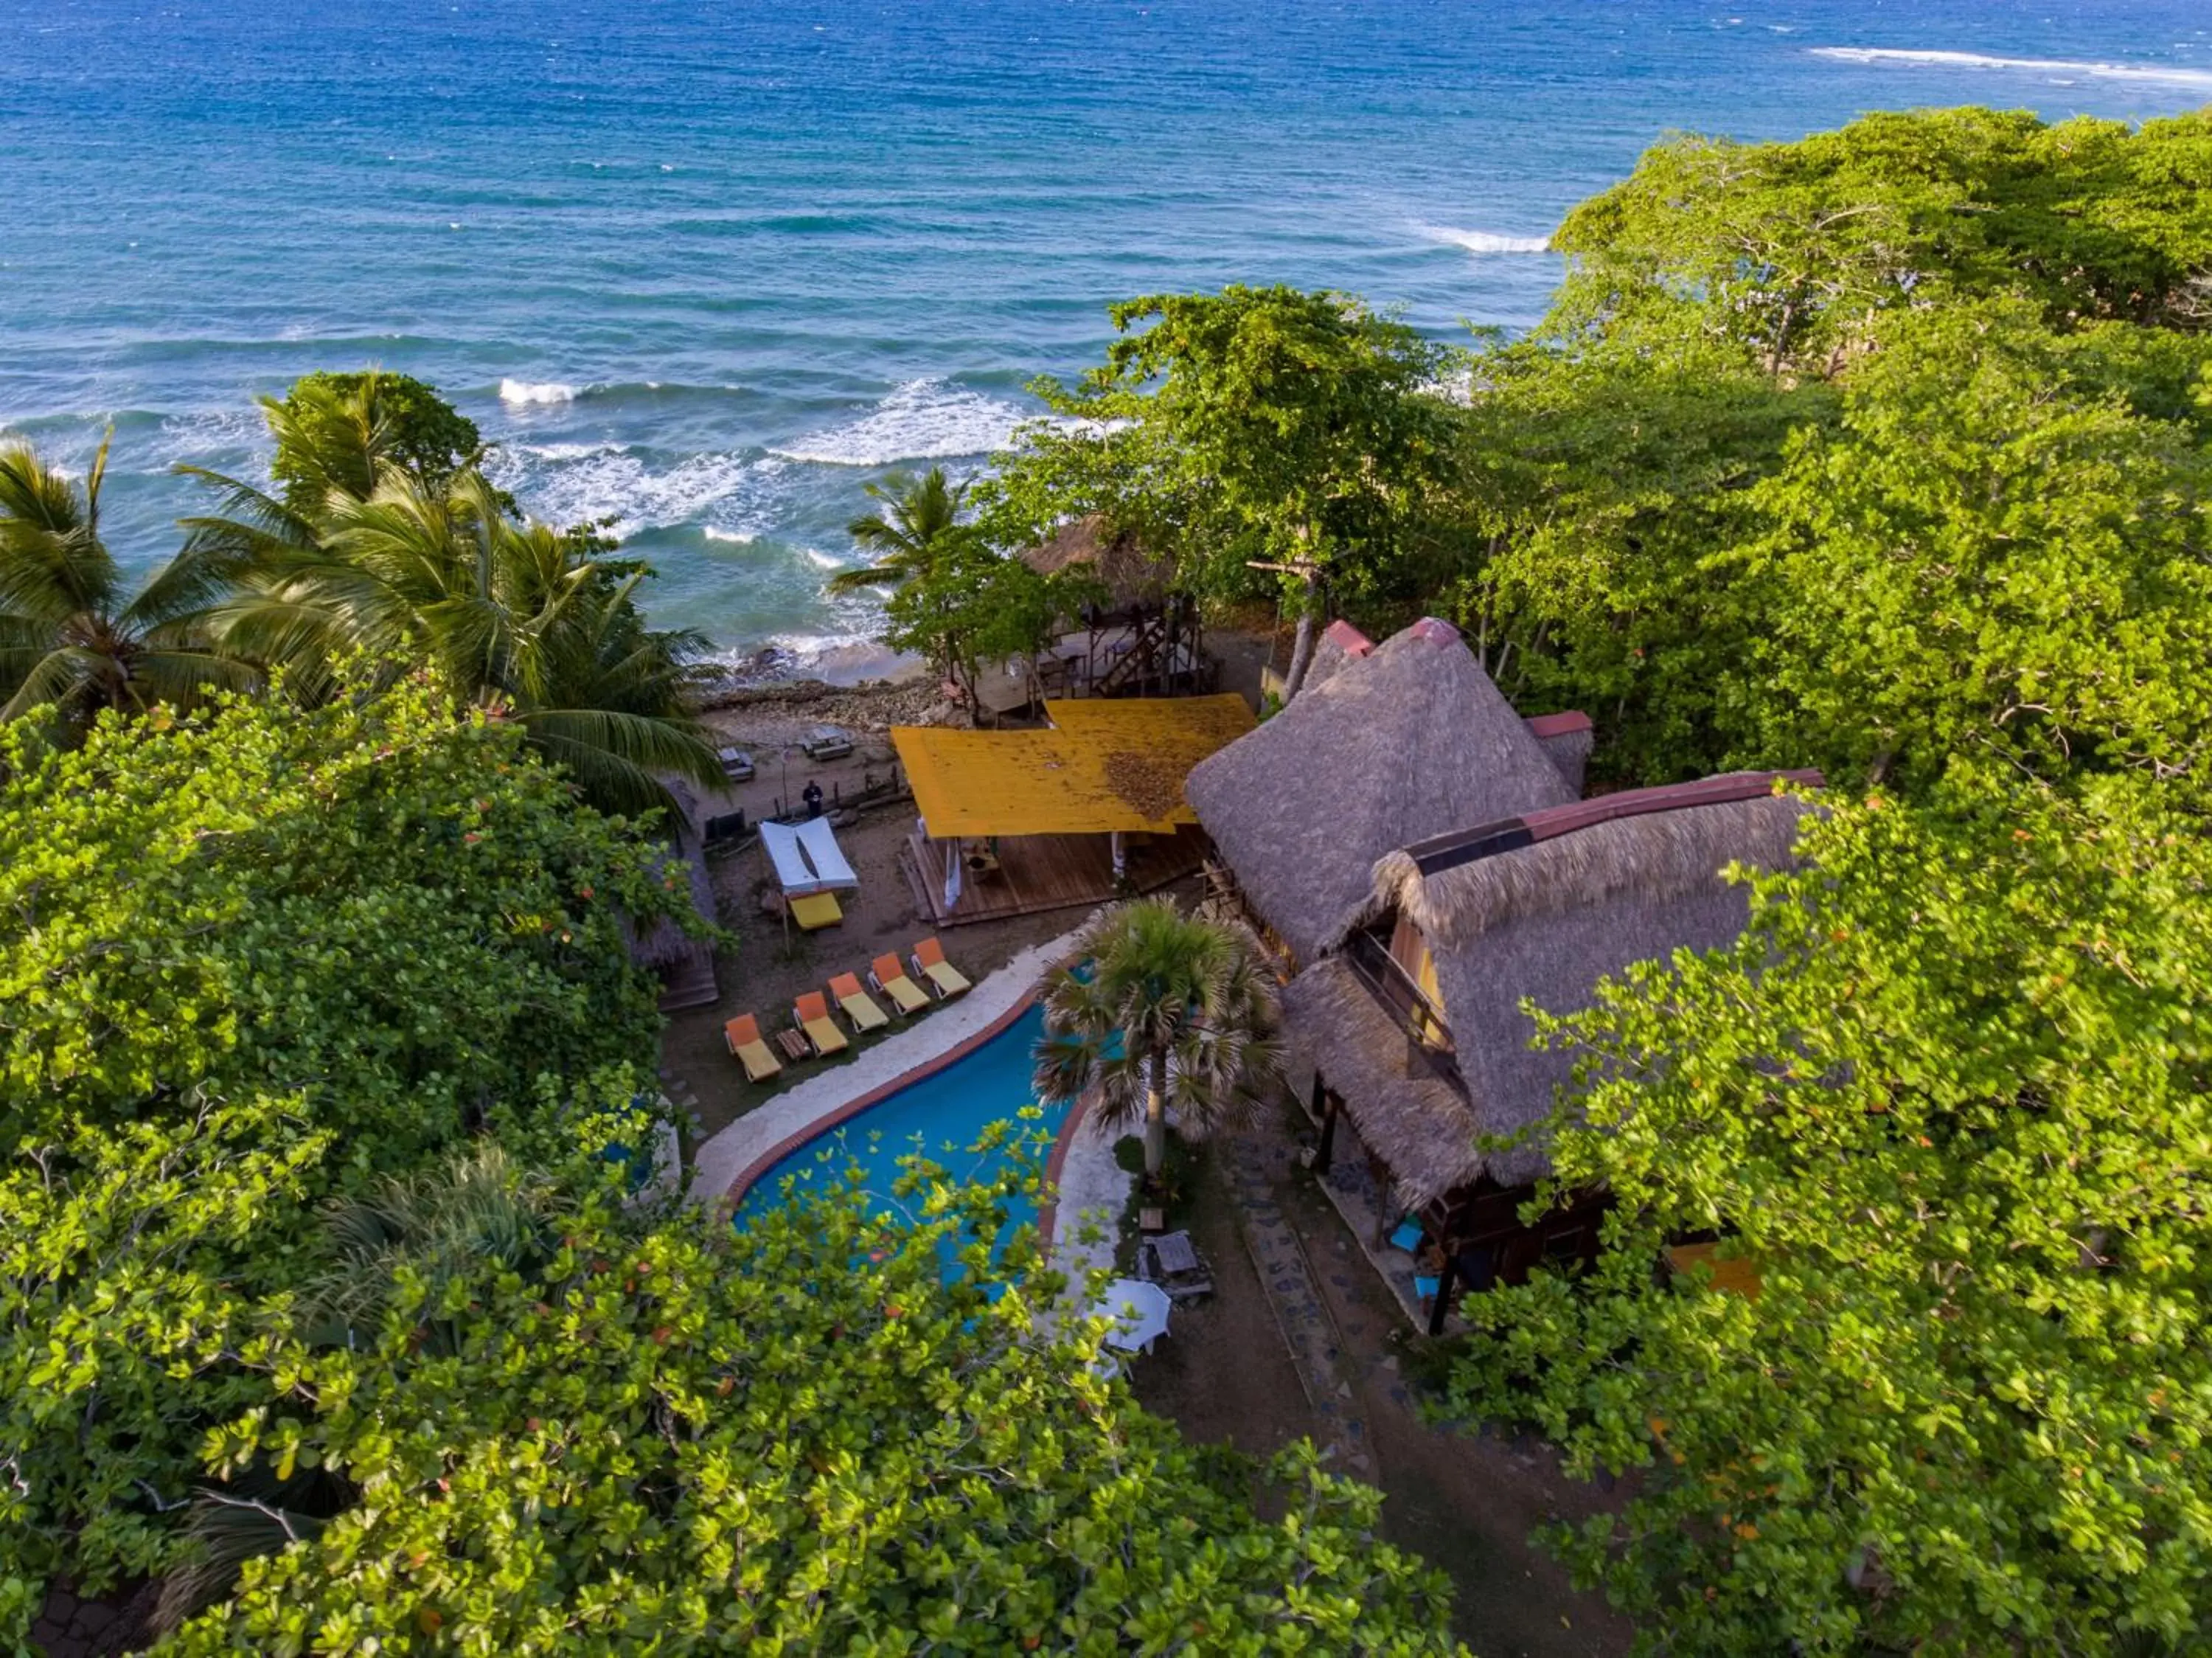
(742, 1034)
(812, 1015)
(945, 978)
(860, 1007)
(817, 909)
(889, 979)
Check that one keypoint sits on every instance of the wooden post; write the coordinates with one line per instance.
(1379, 1173)
(1325, 1103)
(1443, 1295)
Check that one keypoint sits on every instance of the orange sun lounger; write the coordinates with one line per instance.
(860, 1007)
(947, 980)
(812, 1015)
(891, 980)
(742, 1034)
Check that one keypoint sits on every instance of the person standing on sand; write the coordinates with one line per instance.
(812, 795)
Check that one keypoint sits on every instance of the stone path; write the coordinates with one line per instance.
(1254, 1163)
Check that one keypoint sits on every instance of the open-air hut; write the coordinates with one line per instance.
(1402, 742)
(1139, 638)
(1413, 1020)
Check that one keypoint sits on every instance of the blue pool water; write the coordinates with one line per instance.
(940, 1116)
(705, 267)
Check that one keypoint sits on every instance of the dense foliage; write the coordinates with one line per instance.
(1951, 1096)
(1863, 451)
(670, 1436)
(324, 1307)
(1266, 439)
(1888, 452)
(248, 960)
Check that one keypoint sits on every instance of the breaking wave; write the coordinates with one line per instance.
(1486, 242)
(2162, 73)
(920, 420)
(520, 394)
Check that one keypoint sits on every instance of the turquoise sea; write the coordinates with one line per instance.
(708, 268)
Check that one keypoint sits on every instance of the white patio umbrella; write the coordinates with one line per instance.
(1139, 1310)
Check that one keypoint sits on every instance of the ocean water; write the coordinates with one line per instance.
(707, 269)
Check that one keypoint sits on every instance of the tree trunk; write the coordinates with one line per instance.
(1301, 657)
(1156, 1120)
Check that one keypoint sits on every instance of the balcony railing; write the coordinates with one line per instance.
(1428, 1038)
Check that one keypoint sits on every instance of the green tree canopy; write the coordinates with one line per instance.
(249, 960)
(1296, 433)
(796, 1436)
(1861, 450)
(339, 431)
(1951, 1098)
(1786, 254)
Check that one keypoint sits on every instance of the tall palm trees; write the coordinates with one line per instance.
(438, 568)
(70, 635)
(906, 532)
(1161, 1011)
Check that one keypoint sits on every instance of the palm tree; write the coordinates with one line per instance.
(519, 617)
(905, 531)
(69, 635)
(1158, 1010)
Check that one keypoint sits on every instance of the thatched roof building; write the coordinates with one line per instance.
(1131, 576)
(1542, 907)
(1404, 742)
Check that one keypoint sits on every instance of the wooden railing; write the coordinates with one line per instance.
(1428, 1038)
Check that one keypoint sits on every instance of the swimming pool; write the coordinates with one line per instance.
(939, 1115)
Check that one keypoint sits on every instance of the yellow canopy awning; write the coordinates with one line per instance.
(1107, 764)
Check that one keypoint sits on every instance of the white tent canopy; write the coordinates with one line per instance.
(807, 857)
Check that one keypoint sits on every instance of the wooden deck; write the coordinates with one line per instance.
(1038, 872)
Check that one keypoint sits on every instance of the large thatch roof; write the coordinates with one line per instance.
(1407, 743)
(1589, 889)
(1130, 574)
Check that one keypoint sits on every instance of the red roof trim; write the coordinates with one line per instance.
(1557, 725)
(1348, 639)
(1510, 834)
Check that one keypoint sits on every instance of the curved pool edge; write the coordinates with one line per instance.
(1021, 979)
(806, 1135)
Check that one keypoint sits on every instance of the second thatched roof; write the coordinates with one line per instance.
(1411, 741)
(1588, 890)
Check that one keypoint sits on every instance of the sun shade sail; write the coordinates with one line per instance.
(807, 857)
(1107, 764)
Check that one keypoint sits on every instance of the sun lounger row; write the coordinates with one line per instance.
(815, 1034)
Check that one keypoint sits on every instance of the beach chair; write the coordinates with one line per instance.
(744, 1036)
(891, 980)
(812, 1014)
(947, 980)
(816, 910)
(860, 1007)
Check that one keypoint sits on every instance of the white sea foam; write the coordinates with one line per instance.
(736, 538)
(921, 420)
(1486, 242)
(2165, 74)
(523, 392)
(823, 560)
(212, 435)
(575, 482)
